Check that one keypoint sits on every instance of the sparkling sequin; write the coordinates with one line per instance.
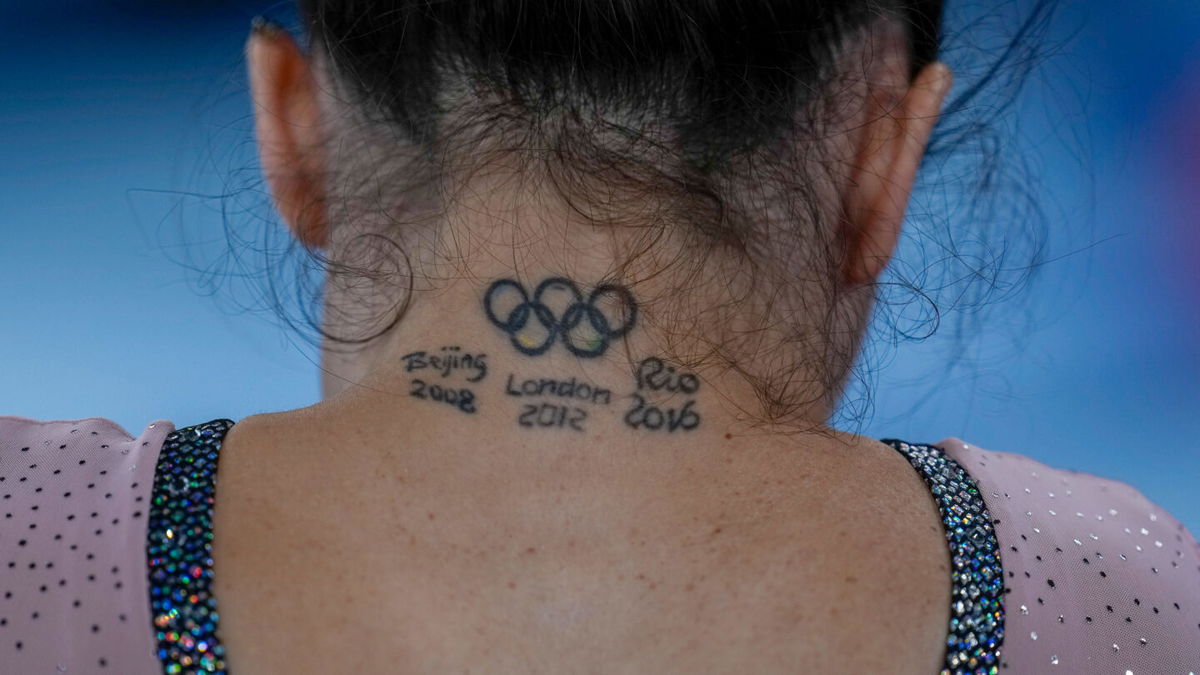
(976, 604)
(179, 551)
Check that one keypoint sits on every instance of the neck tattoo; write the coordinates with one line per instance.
(558, 316)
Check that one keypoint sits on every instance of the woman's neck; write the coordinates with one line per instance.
(549, 356)
(518, 311)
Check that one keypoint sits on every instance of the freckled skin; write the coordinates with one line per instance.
(716, 555)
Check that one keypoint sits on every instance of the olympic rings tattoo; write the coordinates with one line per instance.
(582, 338)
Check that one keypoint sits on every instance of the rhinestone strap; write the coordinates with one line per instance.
(976, 604)
(179, 551)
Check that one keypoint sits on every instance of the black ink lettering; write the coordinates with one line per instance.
(479, 363)
(527, 411)
(569, 388)
(578, 415)
(655, 418)
(463, 399)
(551, 416)
(632, 418)
(466, 401)
(559, 311)
(414, 361)
(448, 361)
(655, 375)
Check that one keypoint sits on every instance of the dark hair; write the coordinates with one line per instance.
(730, 72)
(727, 77)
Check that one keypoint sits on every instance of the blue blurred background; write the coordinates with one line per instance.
(122, 124)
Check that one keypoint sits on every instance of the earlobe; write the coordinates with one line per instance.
(887, 169)
(287, 123)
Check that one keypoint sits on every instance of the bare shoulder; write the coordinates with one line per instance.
(891, 561)
(778, 564)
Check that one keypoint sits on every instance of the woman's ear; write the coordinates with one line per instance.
(900, 118)
(287, 122)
